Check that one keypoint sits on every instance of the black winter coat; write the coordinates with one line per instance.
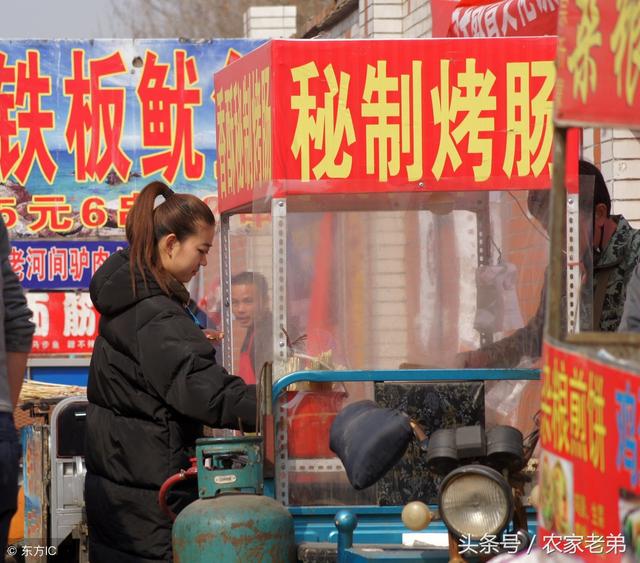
(153, 382)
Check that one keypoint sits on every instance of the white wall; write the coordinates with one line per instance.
(417, 18)
(620, 165)
(265, 22)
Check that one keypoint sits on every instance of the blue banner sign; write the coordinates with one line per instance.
(59, 264)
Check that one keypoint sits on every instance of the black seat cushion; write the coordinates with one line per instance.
(369, 441)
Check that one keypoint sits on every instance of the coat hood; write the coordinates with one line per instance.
(111, 289)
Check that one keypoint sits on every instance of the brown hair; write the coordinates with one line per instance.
(179, 214)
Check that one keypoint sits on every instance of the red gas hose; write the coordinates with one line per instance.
(171, 481)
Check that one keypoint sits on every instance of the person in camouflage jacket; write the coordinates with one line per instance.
(621, 257)
(631, 315)
(616, 252)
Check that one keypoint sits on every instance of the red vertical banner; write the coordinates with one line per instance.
(319, 324)
(589, 465)
(598, 67)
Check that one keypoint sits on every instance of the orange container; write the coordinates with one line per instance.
(16, 527)
(309, 418)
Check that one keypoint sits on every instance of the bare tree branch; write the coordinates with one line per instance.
(200, 18)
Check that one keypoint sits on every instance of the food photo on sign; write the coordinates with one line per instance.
(629, 515)
(556, 495)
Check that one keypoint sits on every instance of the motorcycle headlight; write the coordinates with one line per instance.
(475, 501)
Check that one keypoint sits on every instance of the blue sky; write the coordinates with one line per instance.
(49, 19)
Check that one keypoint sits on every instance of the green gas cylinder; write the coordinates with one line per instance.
(232, 521)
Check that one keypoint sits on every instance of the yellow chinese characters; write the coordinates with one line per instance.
(244, 132)
(560, 412)
(325, 130)
(473, 97)
(578, 414)
(580, 506)
(393, 137)
(597, 429)
(625, 44)
(530, 145)
(546, 405)
(597, 515)
(392, 110)
(581, 63)
(573, 408)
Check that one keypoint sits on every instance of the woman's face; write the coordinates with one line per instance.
(183, 259)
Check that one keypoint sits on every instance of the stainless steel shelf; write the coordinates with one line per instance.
(315, 465)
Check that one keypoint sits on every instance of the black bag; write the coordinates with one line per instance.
(369, 441)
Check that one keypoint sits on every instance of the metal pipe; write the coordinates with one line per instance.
(267, 390)
(225, 271)
(346, 522)
(554, 309)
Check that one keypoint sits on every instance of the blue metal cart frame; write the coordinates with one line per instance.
(379, 526)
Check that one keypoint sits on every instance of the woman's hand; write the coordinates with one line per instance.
(213, 335)
(474, 359)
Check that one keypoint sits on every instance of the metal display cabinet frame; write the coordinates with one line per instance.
(377, 524)
(279, 208)
(313, 524)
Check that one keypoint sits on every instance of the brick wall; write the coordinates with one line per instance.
(270, 21)
(384, 19)
(617, 152)
(417, 18)
(389, 318)
(348, 28)
(381, 19)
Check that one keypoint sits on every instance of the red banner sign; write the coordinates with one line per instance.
(244, 128)
(599, 63)
(364, 117)
(589, 467)
(66, 323)
(486, 18)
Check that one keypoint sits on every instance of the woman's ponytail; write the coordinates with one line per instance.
(140, 231)
(159, 211)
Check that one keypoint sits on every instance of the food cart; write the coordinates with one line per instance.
(589, 485)
(381, 188)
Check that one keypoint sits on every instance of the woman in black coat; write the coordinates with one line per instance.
(153, 380)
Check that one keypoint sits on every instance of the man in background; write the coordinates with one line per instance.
(249, 301)
(16, 334)
(616, 249)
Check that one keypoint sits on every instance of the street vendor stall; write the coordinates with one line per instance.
(384, 191)
(589, 479)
